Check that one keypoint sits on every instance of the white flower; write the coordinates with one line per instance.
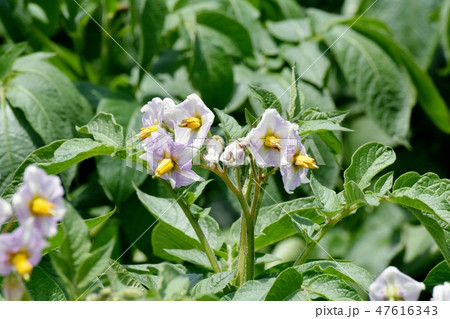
(191, 121)
(270, 139)
(392, 285)
(5, 211)
(234, 154)
(40, 197)
(441, 292)
(214, 148)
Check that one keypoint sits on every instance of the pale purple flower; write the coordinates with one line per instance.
(392, 285)
(441, 292)
(41, 197)
(21, 250)
(270, 139)
(171, 161)
(191, 121)
(234, 154)
(5, 211)
(294, 173)
(153, 118)
(214, 148)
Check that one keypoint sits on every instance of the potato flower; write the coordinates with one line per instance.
(234, 154)
(214, 148)
(269, 140)
(441, 292)
(5, 211)
(171, 161)
(393, 285)
(40, 197)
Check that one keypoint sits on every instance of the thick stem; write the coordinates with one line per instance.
(246, 258)
(198, 231)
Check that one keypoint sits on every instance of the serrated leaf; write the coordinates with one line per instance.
(229, 27)
(214, 284)
(377, 82)
(367, 161)
(287, 283)
(384, 183)
(104, 128)
(266, 98)
(42, 287)
(229, 125)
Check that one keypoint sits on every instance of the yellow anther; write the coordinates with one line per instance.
(305, 161)
(147, 131)
(273, 142)
(23, 266)
(164, 166)
(392, 293)
(41, 207)
(191, 122)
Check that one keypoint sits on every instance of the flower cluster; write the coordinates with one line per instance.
(393, 285)
(173, 135)
(38, 206)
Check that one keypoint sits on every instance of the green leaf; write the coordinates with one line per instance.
(50, 102)
(368, 161)
(250, 118)
(377, 82)
(214, 284)
(229, 125)
(429, 97)
(353, 195)
(58, 156)
(211, 72)
(334, 116)
(438, 275)
(290, 30)
(9, 56)
(17, 140)
(195, 191)
(384, 184)
(229, 27)
(104, 129)
(315, 126)
(332, 288)
(325, 198)
(305, 226)
(254, 290)
(287, 283)
(42, 287)
(296, 97)
(445, 31)
(168, 211)
(266, 98)
(406, 180)
(305, 57)
(94, 265)
(344, 270)
(148, 21)
(193, 256)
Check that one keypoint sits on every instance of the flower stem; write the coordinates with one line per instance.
(198, 231)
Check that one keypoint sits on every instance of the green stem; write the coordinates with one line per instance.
(198, 231)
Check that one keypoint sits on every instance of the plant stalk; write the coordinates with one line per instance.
(198, 231)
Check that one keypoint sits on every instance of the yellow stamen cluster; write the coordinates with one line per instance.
(147, 131)
(305, 161)
(392, 293)
(23, 266)
(41, 207)
(191, 122)
(164, 166)
(273, 142)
